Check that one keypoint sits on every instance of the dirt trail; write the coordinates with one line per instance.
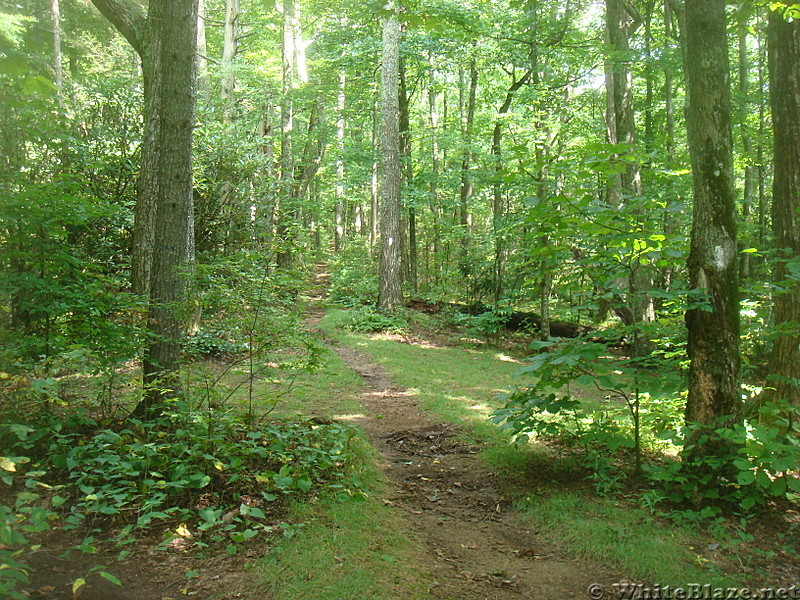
(475, 547)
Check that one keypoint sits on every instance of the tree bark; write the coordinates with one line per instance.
(230, 49)
(163, 228)
(390, 295)
(784, 85)
(466, 190)
(174, 209)
(713, 327)
(55, 11)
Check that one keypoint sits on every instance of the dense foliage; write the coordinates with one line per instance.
(521, 193)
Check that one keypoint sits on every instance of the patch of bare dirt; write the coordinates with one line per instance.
(148, 573)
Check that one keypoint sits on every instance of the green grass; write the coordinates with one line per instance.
(352, 550)
(338, 550)
(459, 385)
(605, 531)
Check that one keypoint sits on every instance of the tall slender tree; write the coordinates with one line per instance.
(390, 296)
(166, 41)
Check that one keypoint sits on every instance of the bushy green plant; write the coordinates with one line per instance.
(549, 407)
(368, 319)
(485, 324)
(212, 342)
(142, 474)
(353, 282)
(758, 460)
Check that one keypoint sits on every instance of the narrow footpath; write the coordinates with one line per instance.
(476, 547)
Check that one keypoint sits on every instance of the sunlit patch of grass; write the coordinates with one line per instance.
(606, 531)
(460, 385)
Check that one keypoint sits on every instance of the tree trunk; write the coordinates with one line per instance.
(784, 85)
(713, 328)
(161, 261)
(339, 231)
(390, 295)
(55, 11)
(407, 171)
(374, 218)
(433, 116)
(466, 190)
(284, 205)
(202, 53)
(626, 185)
(497, 192)
(173, 214)
(229, 50)
(749, 194)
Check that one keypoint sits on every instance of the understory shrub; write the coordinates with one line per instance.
(758, 457)
(368, 319)
(219, 479)
(354, 281)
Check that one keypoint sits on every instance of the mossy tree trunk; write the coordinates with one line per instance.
(713, 321)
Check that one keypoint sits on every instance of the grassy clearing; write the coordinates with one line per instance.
(459, 385)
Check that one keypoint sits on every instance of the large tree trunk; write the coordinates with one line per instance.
(390, 296)
(173, 214)
(784, 85)
(161, 261)
(713, 327)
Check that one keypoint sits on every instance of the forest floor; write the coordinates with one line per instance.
(469, 540)
(474, 546)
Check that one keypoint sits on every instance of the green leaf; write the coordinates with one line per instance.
(109, 577)
(77, 584)
(197, 481)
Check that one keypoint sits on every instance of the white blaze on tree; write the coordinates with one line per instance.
(713, 329)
